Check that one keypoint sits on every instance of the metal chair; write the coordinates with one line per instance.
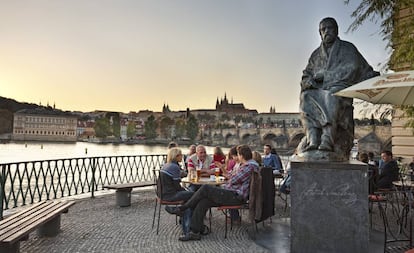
(225, 208)
(159, 202)
(374, 198)
(226, 212)
(397, 221)
(282, 195)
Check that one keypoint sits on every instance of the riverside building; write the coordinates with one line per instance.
(44, 124)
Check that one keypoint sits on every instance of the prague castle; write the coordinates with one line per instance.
(224, 106)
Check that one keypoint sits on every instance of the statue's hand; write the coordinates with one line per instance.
(318, 77)
(308, 85)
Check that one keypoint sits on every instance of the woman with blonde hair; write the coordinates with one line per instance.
(169, 179)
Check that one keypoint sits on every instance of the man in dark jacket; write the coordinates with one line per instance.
(389, 171)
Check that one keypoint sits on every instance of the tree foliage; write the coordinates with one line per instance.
(114, 123)
(150, 129)
(131, 130)
(165, 126)
(6, 121)
(179, 128)
(102, 128)
(376, 11)
(409, 113)
(206, 117)
(399, 32)
(225, 117)
(192, 127)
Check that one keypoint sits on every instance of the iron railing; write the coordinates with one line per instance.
(24, 183)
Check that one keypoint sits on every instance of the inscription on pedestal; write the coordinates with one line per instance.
(329, 207)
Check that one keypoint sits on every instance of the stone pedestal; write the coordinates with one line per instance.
(329, 207)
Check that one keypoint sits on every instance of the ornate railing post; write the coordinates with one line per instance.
(93, 176)
(2, 186)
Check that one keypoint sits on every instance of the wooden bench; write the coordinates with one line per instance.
(44, 216)
(123, 191)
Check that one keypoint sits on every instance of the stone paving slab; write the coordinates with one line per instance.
(98, 225)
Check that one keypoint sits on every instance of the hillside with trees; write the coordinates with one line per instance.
(7, 108)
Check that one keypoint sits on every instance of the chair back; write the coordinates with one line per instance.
(157, 182)
(255, 196)
(268, 193)
(397, 217)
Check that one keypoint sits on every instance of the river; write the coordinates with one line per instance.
(33, 151)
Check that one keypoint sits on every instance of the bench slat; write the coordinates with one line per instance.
(129, 185)
(9, 221)
(39, 221)
(29, 222)
(20, 228)
(27, 218)
(27, 211)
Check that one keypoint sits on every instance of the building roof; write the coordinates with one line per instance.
(46, 111)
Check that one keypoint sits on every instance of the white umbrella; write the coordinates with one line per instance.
(394, 88)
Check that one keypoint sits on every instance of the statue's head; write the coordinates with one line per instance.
(328, 29)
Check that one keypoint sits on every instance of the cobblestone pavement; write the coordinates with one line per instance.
(98, 225)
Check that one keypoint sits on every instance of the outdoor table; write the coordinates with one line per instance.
(203, 180)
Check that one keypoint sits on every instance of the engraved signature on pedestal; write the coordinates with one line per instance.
(342, 191)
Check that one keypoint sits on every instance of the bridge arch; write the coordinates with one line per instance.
(276, 141)
(245, 138)
(269, 136)
(231, 139)
(250, 139)
(295, 140)
(217, 137)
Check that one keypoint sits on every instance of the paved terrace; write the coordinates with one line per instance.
(98, 225)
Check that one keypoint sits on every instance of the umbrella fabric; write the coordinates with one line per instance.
(394, 88)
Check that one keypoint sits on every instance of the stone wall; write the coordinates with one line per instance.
(402, 137)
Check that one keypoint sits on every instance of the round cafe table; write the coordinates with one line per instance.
(203, 180)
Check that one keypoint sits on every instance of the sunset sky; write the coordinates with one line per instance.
(130, 55)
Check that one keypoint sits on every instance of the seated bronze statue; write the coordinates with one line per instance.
(328, 119)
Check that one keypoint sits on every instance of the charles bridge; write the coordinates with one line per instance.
(286, 138)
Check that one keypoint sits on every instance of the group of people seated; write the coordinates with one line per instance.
(237, 168)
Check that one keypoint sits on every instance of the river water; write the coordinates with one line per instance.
(33, 151)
